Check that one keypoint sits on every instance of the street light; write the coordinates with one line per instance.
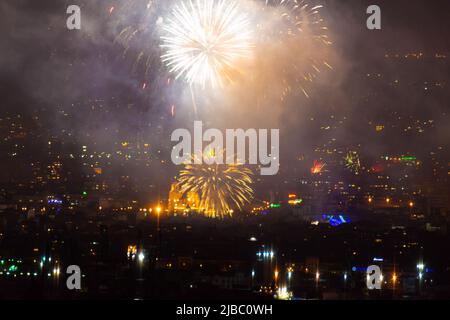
(158, 230)
(420, 268)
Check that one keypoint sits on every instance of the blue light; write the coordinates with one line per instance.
(335, 220)
(359, 269)
(54, 201)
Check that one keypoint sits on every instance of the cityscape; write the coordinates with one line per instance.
(89, 180)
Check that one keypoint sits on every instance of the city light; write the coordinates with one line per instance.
(56, 271)
(295, 201)
(378, 259)
(289, 275)
(266, 254)
(131, 251)
(283, 293)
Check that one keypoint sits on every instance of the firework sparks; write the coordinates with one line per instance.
(205, 41)
(269, 47)
(293, 33)
(136, 22)
(317, 167)
(219, 186)
(352, 162)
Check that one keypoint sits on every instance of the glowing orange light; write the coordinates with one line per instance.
(131, 250)
(317, 167)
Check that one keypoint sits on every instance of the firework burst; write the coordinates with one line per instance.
(317, 167)
(136, 24)
(221, 187)
(204, 41)
(352, 162)
(293, 38)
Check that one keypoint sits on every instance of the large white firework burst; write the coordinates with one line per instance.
(205, 41)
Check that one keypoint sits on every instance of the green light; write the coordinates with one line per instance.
(85, 194)
(408, 158)
(12, 268)
(2, 262)
(275, 205)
